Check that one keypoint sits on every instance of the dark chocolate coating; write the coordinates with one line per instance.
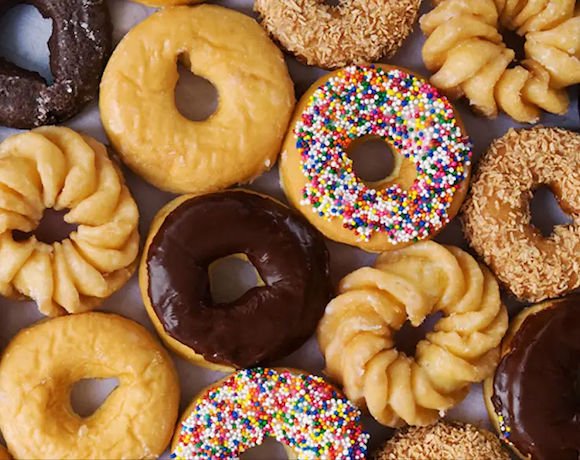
(79, 46)
(267, 322)
(537, 384)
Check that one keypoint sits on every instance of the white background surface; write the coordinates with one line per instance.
(23, 35)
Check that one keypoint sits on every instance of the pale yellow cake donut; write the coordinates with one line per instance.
(42, 363)
(357, 330)
(235, 144)
(469, 57)
(328, 36)
(57, 168)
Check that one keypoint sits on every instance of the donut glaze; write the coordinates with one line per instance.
(267, 322)
(79, 47)
(536, 391)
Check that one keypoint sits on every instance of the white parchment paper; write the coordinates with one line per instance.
(23, 35)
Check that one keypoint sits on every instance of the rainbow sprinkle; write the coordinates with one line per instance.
(415, 119)
(302, 412)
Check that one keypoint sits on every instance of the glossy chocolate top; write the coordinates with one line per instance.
(267, 322)
(537, 384)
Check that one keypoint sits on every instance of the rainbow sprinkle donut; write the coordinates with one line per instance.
(431, 151)
(303, 412)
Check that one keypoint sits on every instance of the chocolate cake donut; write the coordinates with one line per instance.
(79, 49)
(270, 320)
(534, 399)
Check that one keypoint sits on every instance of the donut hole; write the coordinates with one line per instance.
(52, 228)
(87, 395)
(546, 211)
(24, 36)
(374, 161)
(332, 2)
(270, 449)
(407, 338)
(231, 277)
(515, 42)
(195, 97)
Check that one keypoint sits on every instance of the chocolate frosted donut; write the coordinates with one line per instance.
(79, 46)
(534, 399)
(267, 322)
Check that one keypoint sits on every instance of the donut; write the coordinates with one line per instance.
(79, 47)
(54, 167)
(357, 330)
(4, 455)
(42, 363)
(352, 32)
(442, 441)
(533, 398)
(496, 216)
(256, 97)
(469, 57)
(308, 416)
(269, 321)
(429, 145)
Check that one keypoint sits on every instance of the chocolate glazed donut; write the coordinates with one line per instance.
(79, 46)
(267, 322)
(536, 390)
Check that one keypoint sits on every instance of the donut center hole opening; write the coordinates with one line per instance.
(515, 42)
(195, 97)
(231, 277)
(546, 212)
(270, 449)
(407, 338)
(332, 2)
(88, 395)
(24, 36)
(52, 228)
(373, 159)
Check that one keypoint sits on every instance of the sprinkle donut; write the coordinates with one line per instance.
(430, 149)
(303, 412)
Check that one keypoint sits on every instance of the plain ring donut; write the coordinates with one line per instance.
(269, 321)
(79, 48)
(42, 363)
(55, 167)
(235, 144)
(353, 32)
(356, 334)
(497, 220)
(532, 399)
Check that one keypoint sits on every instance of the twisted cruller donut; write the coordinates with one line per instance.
(356, 332)
(58, 168)
(470, 59)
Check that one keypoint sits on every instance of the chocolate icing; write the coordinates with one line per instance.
(267, 322)
(537, 388)
(79, 46)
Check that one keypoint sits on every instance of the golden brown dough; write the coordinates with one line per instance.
(235, 144)
(357, 330)
(42, 363)
(57, 168)
(469, 58)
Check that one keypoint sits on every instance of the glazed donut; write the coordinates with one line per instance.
(533, 398)
(42, 363)
(469, 57)
(353, 32)
(303, 412)
(79, 47)
(256, 97)
(430, 149)
(356, 332)
(497, 220)
(443, 441)
(269, 321)
(57, 168)
(4, 455)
